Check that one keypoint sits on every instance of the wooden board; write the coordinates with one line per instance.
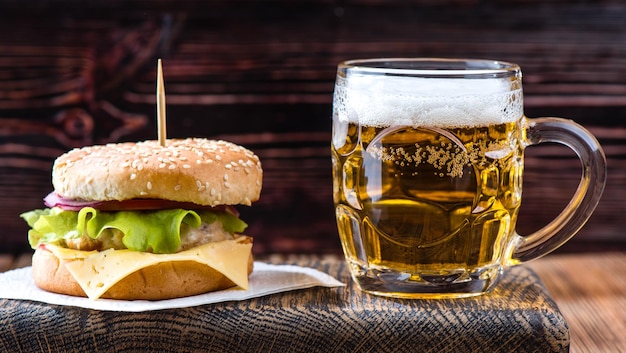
(519, 316)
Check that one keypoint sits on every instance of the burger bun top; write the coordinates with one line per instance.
(197, 170)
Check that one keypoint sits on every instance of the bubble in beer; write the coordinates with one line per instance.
(432, 102)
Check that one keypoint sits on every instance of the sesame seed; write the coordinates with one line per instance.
(149, 185)
(162, 165)
(177, 187)
(225, 177)
(172, 166)
(228, 166)
(133, 176)
(218, 157)
(186, 166)
(213, 192)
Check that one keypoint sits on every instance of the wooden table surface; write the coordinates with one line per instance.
(590, 290)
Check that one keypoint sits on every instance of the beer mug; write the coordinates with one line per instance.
(427, 174)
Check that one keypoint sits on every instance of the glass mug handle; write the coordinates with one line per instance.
(587, 195)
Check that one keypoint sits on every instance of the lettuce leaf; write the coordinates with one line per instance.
(155, 231)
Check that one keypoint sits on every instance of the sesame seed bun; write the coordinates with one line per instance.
(201, 171)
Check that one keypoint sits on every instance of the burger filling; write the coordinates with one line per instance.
(157, 231)
(111, 238)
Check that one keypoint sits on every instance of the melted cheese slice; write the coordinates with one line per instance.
(97, 271)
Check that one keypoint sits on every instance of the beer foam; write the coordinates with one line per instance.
(420, 102)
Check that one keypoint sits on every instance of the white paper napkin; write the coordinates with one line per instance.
(265, 279)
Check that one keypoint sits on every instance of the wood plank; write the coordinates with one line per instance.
(517, 316)
(6, 262)
(590, 291)
(22, 260)
(252, 73)
(587, 288)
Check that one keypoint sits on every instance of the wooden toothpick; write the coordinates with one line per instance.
(160, 100)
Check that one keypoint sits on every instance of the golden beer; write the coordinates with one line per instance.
(434, 206)
(427, 181)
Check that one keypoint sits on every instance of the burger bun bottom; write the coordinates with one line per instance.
(165, 280)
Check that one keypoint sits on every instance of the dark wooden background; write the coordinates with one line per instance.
(260, 73)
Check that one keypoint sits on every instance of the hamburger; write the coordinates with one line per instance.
(145, 221)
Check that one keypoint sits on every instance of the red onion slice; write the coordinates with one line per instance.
(55, 200)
